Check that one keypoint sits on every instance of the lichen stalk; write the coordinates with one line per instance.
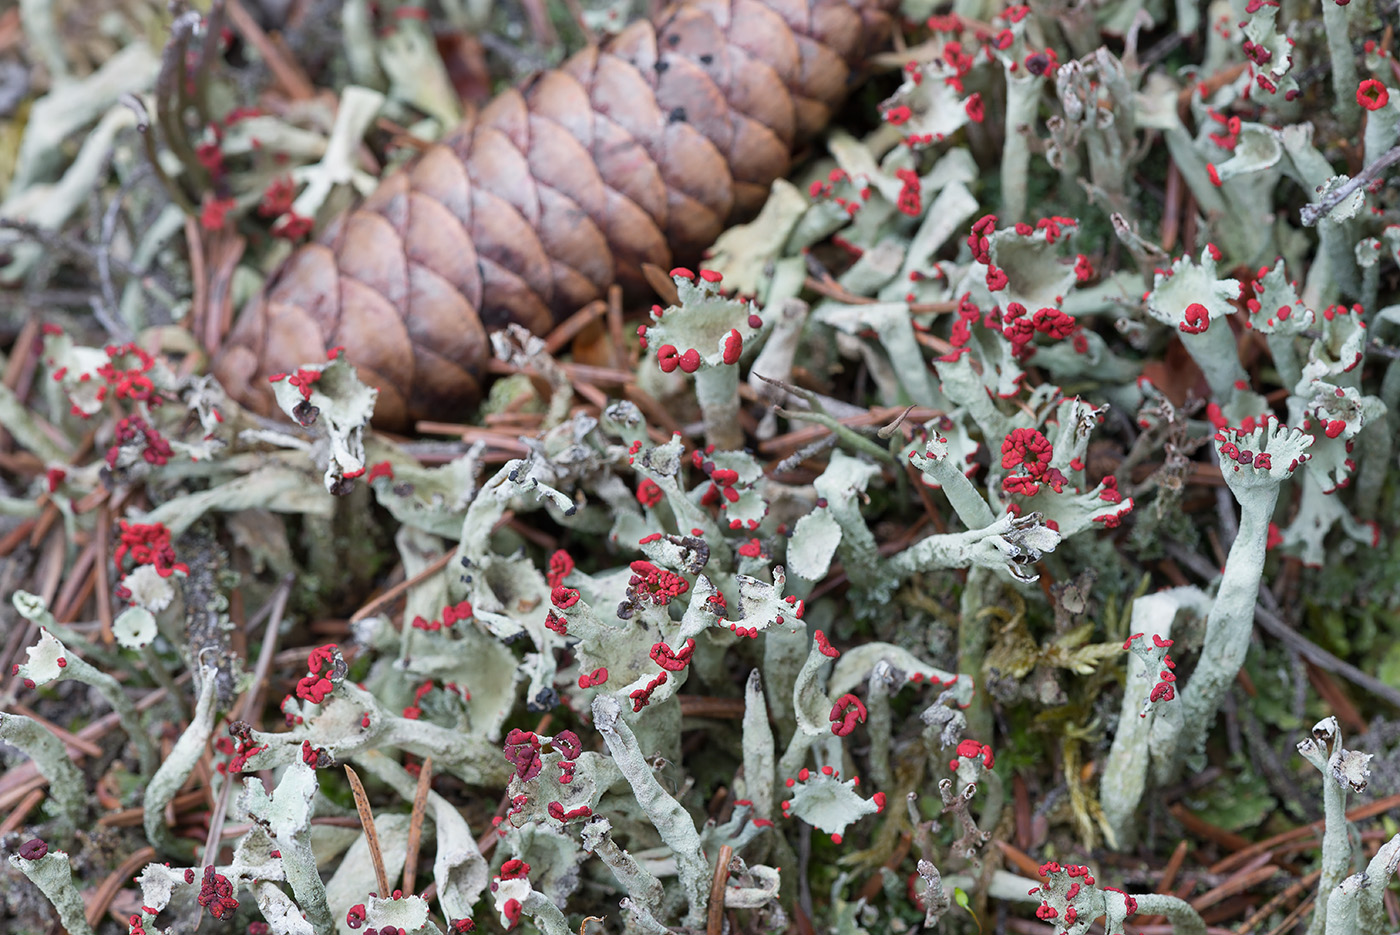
(53, 874)
(641, 884)
(286, 814)
(1231, 619)
(1357, 905)
(1126, 770)
(177, 768)
(1022, 105)
(672, 821)
(717, 390)
(1336, 20)
(758, 747)
(1322, 749)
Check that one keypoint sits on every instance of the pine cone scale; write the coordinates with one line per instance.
(642, 151)
(437, 239)
(442, 321)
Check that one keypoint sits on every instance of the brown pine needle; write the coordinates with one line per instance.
(1292, 918)
(133, 817)
(70, 740)
(568, 329)
(371, 835)
(1270, 907)
(103, 538)
(415, 824)
(662, 283)
(16, 818)
(1239, 882)
(382, 600)
(287, 73)
(115, 881)
(714, 925)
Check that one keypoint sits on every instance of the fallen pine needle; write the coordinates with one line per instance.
(371, 835)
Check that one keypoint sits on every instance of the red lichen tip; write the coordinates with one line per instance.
(1195, 320)
(1372, 94)
(845, 714)
(733, 346)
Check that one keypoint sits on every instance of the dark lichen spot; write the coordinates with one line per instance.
(305, 413)
(545, 700)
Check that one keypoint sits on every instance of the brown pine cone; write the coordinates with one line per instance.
(641, 151)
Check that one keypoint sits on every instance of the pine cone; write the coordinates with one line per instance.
(641, 151)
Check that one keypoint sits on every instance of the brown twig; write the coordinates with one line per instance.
(1243, 879)
(609, 376)
(47, 518)
(1203, 828)
(1171, 213)
(102, 539)
(1269, 908)
(285, 71)
(615, 333)
(415, 824)
(1292, 918)
(1271, 624)
(661, 283)
(79, 583)
(711, 706)
(274, 609)
(1243, 856)
(115, 881)
(504, 441)
(226, 249)
(1025, 862)
(714, 924)
(591, 393)
(199, 302)
(133, 817)
(373, 607)
(16, 783)
(371, 834)
(875, 884)
(528, 532)
(22, 360)
(569, 328)
(1336, 699)
(15, 536)
(50, 568)
(16, 818)
(1168, 879)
